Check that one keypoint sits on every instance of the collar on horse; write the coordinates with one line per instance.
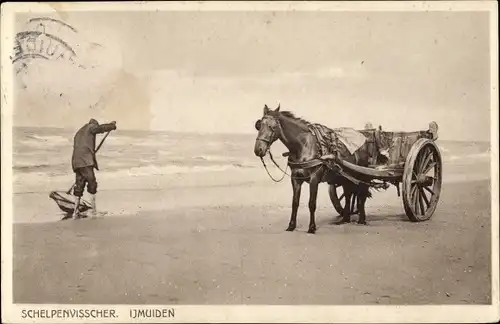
(306, 164)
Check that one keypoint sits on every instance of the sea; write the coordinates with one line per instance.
(44, 155)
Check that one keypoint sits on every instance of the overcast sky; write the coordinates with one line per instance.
(214, 71)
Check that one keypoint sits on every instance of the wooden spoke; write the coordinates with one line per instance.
(429, 167)
(415, 202)
(429, 190)
(421, 202)
(427, 159)
(353, 203)
(412, 191)
(420, 158)
(422, 193)
(341, 196)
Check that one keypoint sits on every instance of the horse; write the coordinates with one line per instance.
(304, 149)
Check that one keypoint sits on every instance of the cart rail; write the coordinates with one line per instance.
(380, 174)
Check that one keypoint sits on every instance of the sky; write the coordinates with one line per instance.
(215, 71)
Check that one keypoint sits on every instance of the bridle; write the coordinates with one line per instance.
(272, 137)
(269, 141)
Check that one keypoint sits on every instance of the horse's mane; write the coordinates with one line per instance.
(290, 115)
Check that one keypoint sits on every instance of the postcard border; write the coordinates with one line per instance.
(195, 313)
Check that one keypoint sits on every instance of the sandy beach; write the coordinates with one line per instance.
(226, 244)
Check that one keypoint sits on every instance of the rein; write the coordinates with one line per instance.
(284, 171)
(269, 174)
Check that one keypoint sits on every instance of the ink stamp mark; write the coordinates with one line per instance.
(41, 43)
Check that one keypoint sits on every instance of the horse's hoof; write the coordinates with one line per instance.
(362, 222)
(290, 228)
(311, 231)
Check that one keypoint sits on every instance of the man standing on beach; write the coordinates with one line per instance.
(84, 161)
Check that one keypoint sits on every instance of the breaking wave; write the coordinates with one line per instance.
(469, 152)
(43, 155)
(42, 174)
(470, 157)
(152, 170)
(46, 140)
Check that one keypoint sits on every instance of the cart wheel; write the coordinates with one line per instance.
(422, 180)
(337, 197)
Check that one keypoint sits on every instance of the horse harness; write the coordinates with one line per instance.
(329, 144)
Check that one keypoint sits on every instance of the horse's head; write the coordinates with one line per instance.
(269, 131)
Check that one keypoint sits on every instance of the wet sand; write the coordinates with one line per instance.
(228, 245)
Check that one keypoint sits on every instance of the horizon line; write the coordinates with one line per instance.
(212, 133)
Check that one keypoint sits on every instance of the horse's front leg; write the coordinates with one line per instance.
(313, 189)
(313, 195)
(297, 187)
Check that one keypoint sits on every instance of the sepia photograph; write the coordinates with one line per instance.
(250, 162)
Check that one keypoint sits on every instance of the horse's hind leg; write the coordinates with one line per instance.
(346, 212)
(363, 194)
(297, 187)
